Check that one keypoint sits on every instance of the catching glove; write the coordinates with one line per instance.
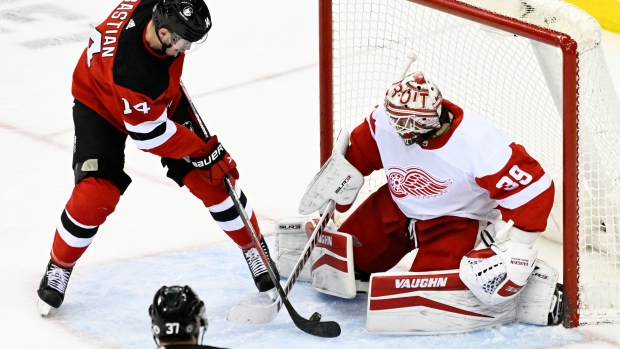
(214, 162)
(498, 273)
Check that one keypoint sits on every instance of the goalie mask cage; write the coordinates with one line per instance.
(536, 70)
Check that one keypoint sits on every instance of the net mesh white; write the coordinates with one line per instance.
(514, 82)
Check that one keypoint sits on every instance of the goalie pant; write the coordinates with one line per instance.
(382, 237)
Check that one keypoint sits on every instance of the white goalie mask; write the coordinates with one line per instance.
(413, 107)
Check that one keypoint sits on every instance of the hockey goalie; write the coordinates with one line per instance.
(468, 199)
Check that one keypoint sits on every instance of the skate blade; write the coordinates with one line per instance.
(44, 308)
(272, 294)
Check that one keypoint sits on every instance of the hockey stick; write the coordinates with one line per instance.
(313, 326)
(257, 314)
(201, 123)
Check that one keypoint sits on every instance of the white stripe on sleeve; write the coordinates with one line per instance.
(527, 194)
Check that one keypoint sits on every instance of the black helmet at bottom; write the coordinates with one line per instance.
(177, 313)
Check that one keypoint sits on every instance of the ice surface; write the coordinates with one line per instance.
(255, 83)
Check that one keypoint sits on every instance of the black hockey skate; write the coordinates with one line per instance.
(556, 314)
(259, 271)
(52, 288)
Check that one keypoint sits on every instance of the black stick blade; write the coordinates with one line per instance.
(327, 329)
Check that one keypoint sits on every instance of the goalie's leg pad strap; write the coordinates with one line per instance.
(426, 303)
(536, 299)
(291, 239)
(332, 265)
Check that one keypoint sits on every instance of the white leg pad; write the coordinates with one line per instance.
(291, 239)
(332, 265)
(429, 303)
(537, 297)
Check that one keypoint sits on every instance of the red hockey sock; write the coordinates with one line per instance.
(221, 207)
(92, 201)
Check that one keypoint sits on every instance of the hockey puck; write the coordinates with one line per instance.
(315, 317)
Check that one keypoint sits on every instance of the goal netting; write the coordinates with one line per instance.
(536, 70)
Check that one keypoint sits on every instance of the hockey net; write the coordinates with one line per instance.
(536, 70)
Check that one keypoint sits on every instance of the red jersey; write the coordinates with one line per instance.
(473, 171)
(132, 86)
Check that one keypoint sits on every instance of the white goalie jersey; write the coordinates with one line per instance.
(468, 172)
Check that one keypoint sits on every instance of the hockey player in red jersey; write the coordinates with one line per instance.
(128, 83)
(469, 199)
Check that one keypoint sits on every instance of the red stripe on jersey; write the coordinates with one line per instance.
(533, 215)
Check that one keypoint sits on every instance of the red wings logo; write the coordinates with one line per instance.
(415, 182)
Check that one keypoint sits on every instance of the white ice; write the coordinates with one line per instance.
(255, 83)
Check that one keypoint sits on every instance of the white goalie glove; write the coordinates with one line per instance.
(337, 180)
(498, 273)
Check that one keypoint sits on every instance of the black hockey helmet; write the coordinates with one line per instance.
(190, 19)
(177, 313)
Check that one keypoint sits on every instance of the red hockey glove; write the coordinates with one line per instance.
(214, 162)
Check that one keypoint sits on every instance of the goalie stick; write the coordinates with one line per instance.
(257, 314)
(314, 326)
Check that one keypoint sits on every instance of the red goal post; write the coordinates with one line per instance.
(536, 70)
